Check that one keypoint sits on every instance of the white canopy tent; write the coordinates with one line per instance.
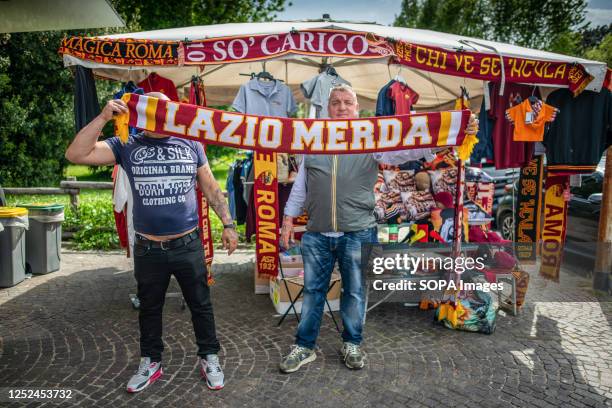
(367, 76)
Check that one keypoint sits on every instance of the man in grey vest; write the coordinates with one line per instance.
(337, 192)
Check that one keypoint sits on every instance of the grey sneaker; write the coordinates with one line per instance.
(296, 358)
(148, 372)
(211, 371)
(353, 356)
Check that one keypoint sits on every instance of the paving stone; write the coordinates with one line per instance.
(76, 329)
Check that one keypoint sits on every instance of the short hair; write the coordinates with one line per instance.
(343, 88)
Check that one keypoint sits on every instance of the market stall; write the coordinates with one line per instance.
(420, 84)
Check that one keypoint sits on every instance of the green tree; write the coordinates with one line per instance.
(36, 91)
(35, 107)
(602, 52)
(147, 15)
(553, 25)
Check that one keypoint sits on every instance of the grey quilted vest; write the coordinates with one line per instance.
(340, 192)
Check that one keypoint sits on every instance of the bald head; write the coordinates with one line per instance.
(158, 95)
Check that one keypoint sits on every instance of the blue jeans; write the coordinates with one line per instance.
(320, 253)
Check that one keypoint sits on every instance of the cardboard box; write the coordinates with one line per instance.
(280, 296)
(262, 282)
(290, 269)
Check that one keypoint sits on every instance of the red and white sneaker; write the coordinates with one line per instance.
(211, 371)
(148, 372)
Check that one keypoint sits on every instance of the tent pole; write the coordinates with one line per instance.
(603, 260)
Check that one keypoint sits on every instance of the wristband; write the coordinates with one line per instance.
(232, 226)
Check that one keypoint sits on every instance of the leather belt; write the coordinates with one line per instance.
(169, 244)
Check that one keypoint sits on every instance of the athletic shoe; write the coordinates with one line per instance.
(353, 356)
(148, 372)
(211, 371)
(296, 358)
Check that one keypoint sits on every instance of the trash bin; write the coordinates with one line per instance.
(13, 224)
(44, 237)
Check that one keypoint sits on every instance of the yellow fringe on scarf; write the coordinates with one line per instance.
(465, 150)
(121, 122)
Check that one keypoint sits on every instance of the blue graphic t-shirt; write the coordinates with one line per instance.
(162, 174)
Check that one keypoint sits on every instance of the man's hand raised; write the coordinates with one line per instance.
(114, 106)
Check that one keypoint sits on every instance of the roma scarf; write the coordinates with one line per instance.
(528, 209)
(555, 226)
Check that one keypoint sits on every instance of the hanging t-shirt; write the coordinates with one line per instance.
(384, 104)
(317, 91)
(157, 83)
(581, 132)
(266, 98)
(162, 174)
(484, 147)
(529, 120)
(403, 97)
(506, 152)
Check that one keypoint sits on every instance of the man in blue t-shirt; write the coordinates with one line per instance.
(163, 172)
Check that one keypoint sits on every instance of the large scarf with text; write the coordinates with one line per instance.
(288, 135)
(528, 209)
(555, 226)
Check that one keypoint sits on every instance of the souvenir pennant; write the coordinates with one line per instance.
(555, 226)
(288, 135)
(266, 210)
(528, 209)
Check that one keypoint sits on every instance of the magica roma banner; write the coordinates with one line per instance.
(331, 43)
(287, 135)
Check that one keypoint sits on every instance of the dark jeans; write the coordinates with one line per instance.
(152, 268)
(320, 253)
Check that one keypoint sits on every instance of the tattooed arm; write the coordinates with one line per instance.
(211, 190)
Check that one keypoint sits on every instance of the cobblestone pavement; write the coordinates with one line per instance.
(76, 329)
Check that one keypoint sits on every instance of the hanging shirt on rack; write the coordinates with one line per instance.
(484, 147)
(581, 132)
(266, 98)
(529, 120)
(317, 91)
(506, 152)
(157, 83)
(384, 104)
(403, 97)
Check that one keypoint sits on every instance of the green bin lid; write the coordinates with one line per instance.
(43, 206)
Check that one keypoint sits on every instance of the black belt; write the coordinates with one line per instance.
(169, 244)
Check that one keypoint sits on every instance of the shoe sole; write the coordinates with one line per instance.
(210, 387)
(150, 381)
(352, 367)
(310, 359)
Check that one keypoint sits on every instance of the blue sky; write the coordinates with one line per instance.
(599, 12)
